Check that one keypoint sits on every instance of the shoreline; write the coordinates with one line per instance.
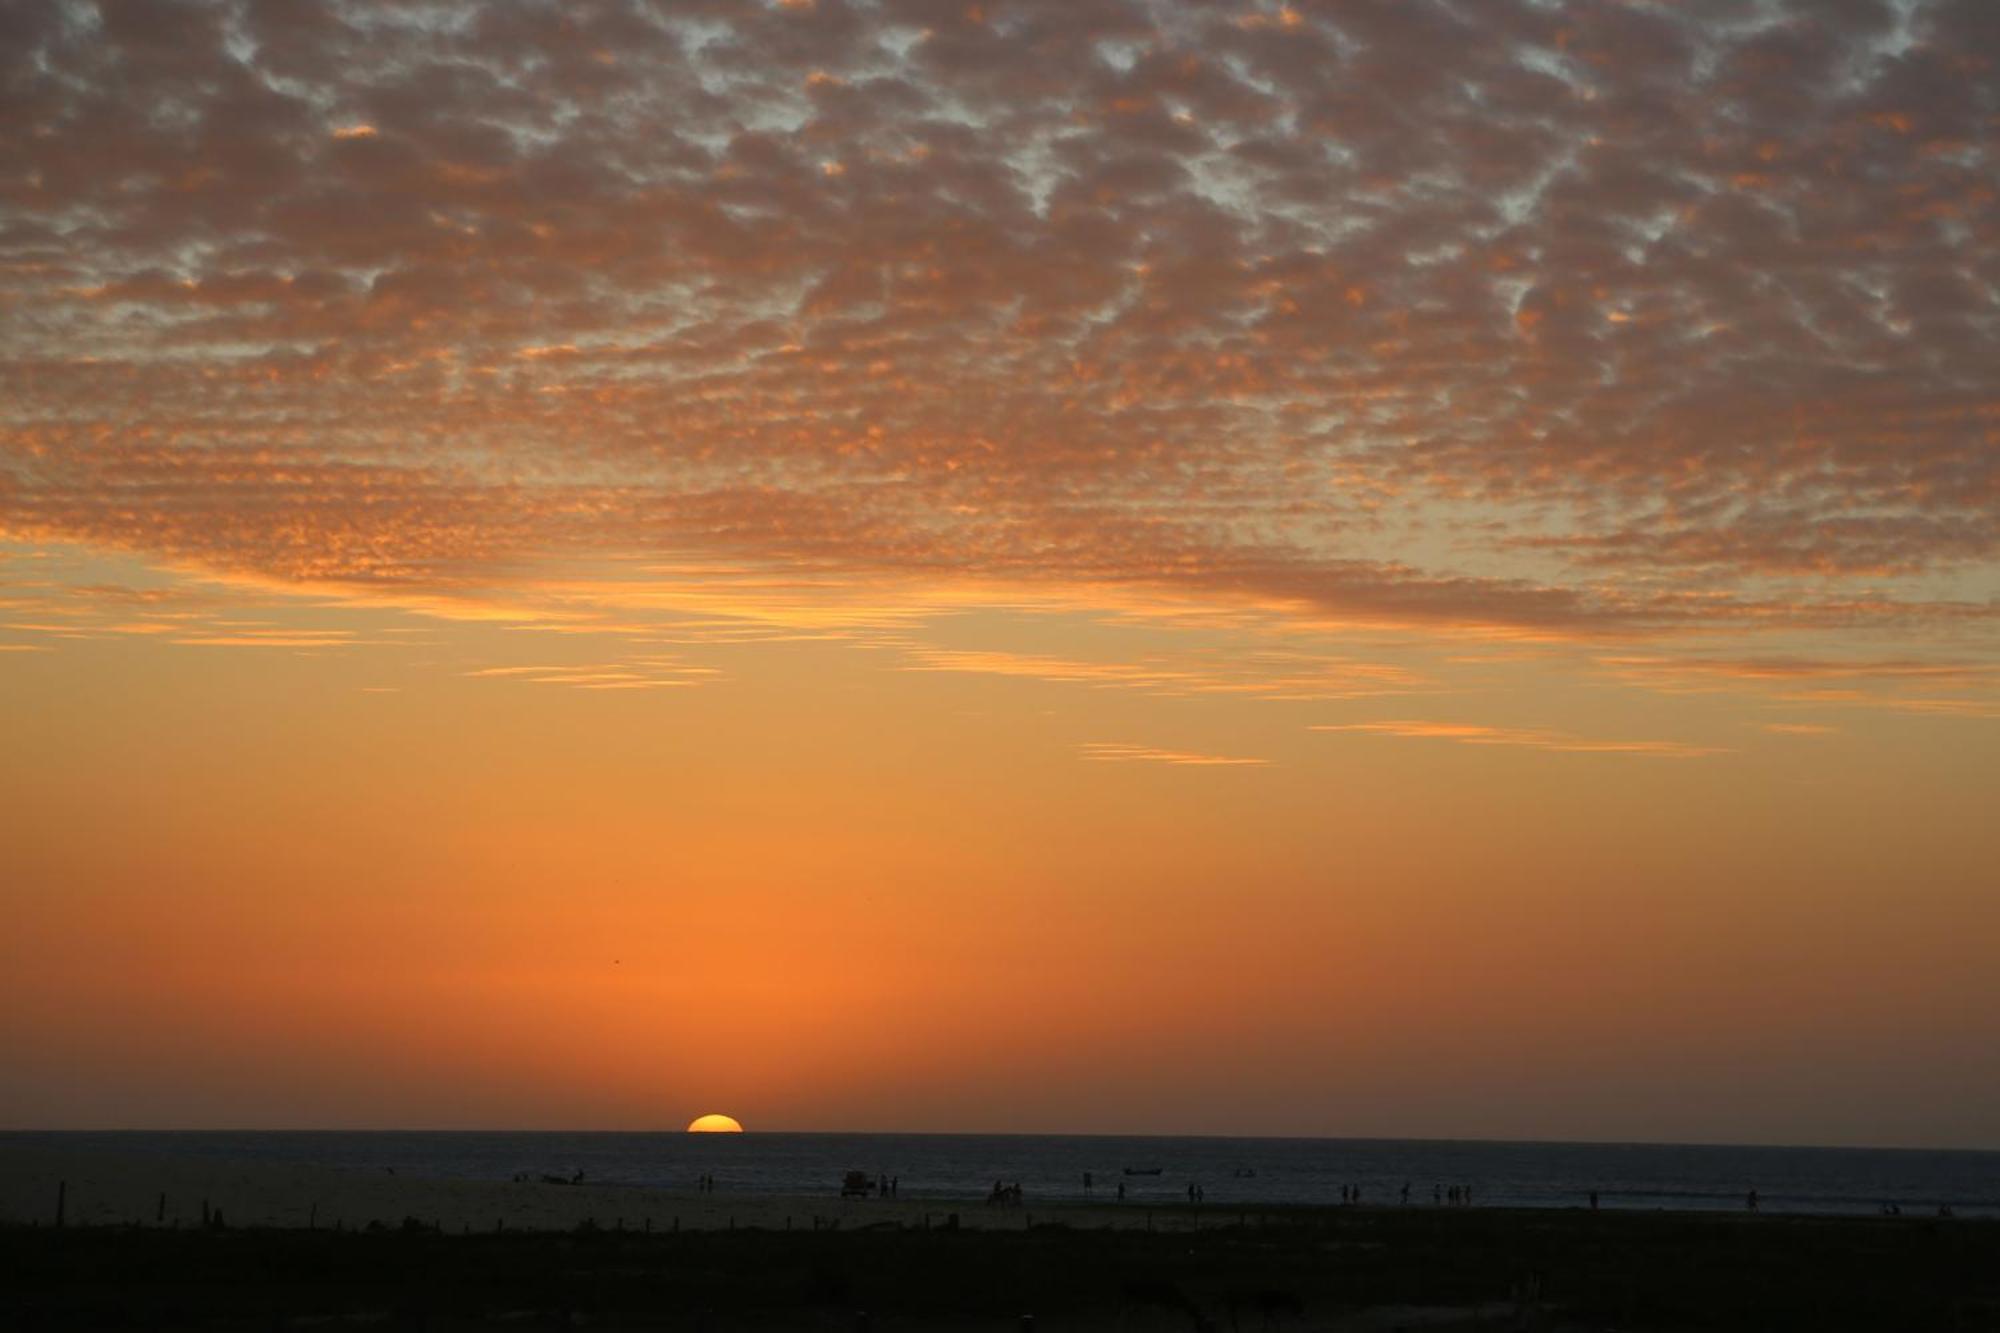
(166, 1191)
(100, 1187)
(1339, 1270)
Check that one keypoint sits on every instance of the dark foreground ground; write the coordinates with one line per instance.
(1352, 1269)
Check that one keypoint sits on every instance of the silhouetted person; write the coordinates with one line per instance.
(1593, 1201)
(1406, 1194)
(1750, 1200)
(1086, 1184)
(1121, 1191)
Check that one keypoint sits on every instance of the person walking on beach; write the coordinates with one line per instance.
(1121, 1191)
(1406, 1194)
(1750, 1199)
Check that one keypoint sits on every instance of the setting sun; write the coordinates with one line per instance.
(1204, 629)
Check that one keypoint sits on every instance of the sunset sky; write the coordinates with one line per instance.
(1377, 567)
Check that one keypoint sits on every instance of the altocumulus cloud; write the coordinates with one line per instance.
(1483, 316)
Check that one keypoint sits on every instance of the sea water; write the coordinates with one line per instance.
(1230, 1172)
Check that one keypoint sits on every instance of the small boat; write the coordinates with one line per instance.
(1142, 1170)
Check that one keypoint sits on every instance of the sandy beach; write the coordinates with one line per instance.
(318, 1248)
(101, 1188)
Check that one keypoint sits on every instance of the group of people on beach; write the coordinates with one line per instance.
(1896, 1210)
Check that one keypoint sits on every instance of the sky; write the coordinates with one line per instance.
(1379, 567)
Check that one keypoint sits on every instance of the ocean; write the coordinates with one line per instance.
(1231, 1172)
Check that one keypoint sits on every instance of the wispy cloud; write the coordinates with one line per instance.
(271, 638)
(628, 673)
(1291, 675)
(1467, 733)
(1114, 752)
(1661, 669)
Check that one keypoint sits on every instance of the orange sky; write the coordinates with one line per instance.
(1061, 570)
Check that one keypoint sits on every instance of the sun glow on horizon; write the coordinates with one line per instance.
(1135, 567)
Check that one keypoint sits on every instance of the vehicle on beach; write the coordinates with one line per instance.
(856, 1185)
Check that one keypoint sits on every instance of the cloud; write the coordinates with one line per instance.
(1898, 684)
(1287, 675)
(629, 673)
(254, 637)
(1466, 733)
(1806, 668)
(1112, 752)
(1511, 319)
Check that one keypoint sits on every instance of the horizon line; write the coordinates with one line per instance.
(1041, 1134)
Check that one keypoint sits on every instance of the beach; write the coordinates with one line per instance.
(112, 1189)
(295, 1247)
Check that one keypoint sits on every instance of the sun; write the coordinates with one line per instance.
(715, 1124)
